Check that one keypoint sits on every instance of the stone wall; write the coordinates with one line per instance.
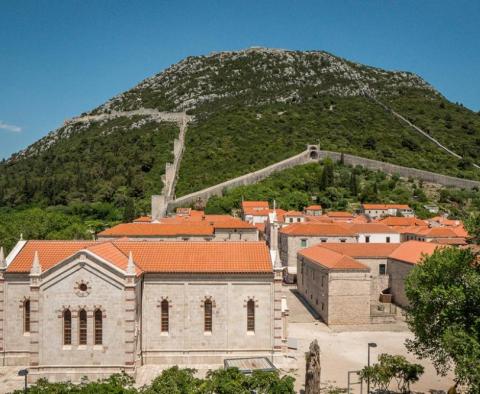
(304, 158)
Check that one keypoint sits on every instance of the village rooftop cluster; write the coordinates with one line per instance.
(194, 288)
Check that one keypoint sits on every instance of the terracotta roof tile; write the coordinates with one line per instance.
(365, 250)
(167, 257)
(199, 257)
(402, 221)
(314, 208)
(255, 204)
(157, 229)
(331, 259)
(413, 251)
(293, 213)
(339, 214)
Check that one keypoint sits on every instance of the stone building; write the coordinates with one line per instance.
(401, 262)
(223, 230)
(355, 283)
(76, 308)
(297, 236)
(377, 211)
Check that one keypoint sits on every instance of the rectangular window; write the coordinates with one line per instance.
(324, 240)
(343, 240)
(323, 280)
(367, 238)
(208, 316)
(164, 315)
(303, 243)
(388, 240)
(98, 327)
(382, 269)
(82, 327)
(251, 315)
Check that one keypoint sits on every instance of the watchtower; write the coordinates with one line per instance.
(313, 151)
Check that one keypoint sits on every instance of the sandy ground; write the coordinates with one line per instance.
(343, 349)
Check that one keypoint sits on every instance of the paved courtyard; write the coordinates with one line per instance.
(343, 350)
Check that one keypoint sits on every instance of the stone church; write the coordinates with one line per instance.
(70, 309)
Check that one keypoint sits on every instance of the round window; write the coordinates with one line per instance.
(83, 287)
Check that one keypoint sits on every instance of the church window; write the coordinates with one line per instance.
(208, 315)
(26, 316)
(82, 327)
(251, 315)
(98, 328)
(67, 327)
(165, 316)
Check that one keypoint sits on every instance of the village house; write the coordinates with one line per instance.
(401, 261)
(313, 210)
(440, 235)
(356, 283)
(297, 236)
(70, 309)
(179, 229)
(255, 211)
(375, 233)
(376, 211)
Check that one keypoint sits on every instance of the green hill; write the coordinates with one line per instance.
(251, 108)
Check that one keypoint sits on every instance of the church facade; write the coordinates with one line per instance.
(70, 309)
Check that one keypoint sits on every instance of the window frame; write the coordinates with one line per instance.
(251, 316)
(82, 327)
(208, 316)
(164, 317)
(27, 316)
(98, 327)
(67, 327)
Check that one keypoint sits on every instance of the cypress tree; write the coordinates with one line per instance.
(129, 211)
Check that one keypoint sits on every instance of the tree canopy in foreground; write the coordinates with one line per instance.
(444, 313)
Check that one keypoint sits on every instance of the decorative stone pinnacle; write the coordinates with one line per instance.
(131, 265)
(36, 267)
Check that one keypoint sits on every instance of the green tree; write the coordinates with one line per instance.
(444, 313)
(327, 177)
(353, 184)
(391, 367)
(175, 381)
(472, 225)
(129, 211)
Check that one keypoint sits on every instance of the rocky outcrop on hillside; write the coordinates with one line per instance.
(258, 76)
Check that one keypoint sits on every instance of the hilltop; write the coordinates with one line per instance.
(250, 108)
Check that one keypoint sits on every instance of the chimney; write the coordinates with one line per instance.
(158, 206)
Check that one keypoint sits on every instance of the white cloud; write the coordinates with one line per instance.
(10, 127)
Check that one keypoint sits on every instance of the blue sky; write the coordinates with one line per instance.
(59, 58)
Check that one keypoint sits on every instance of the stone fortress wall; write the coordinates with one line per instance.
(314, 154)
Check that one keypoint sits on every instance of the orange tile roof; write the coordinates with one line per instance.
(260, 227)
(234, 223)
(339, 214)
(449, 241)
(317, 229)
(413, 251)
(331, 259)
(199, 257)
(380, 207)
(50, 253)
(166, 257)
(402, 221)
(358, 250)
(293, 213)
(374, 228)
(438, 232)
(256, 211)
(313, 207)
(157, 229)
(322, 219)
(255, 204)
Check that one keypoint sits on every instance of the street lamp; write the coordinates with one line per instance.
(24, 372)
(370, 345)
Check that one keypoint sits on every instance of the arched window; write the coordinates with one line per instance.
(67, 327)
(98, 327)
(208, 315)
(165, 317)
(82, 327)
(26, 316)
(251, 315)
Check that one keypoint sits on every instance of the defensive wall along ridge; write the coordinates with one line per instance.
(314, 154)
